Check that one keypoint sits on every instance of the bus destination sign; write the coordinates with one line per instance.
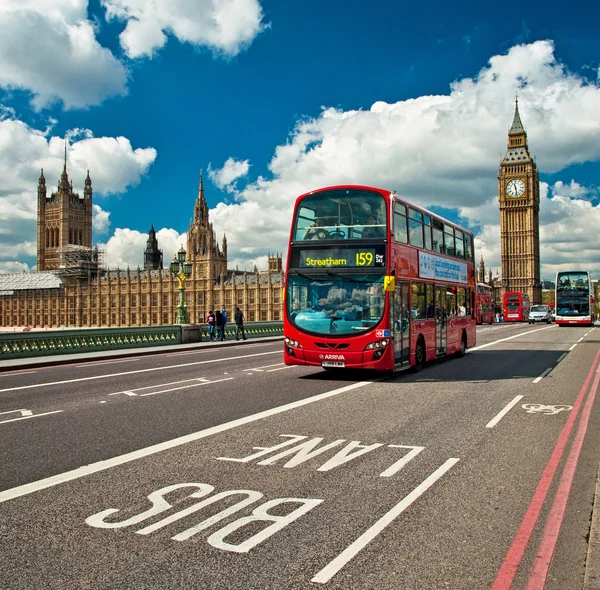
(339, 258)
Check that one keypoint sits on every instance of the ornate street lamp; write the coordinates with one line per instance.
(181, 269)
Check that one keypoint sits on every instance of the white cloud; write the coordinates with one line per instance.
(125, 248)
(573, 189)
(224, 26)
(229, 173)
(100, 220)
(49, 47)
(14, 266)
(438, 151)
(113, 164)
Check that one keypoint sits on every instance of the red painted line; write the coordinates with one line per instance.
(514, 556)
(537, 578)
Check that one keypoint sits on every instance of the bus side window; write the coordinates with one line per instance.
(438, 237)
(400, 231)
(468, 248)
(460, 253)
(418, 301)
(449, 240)
(427, 231)
(415, 226)
(430, 313)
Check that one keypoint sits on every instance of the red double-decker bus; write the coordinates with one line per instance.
(516, 306)
(373, 281)
(484, 304)
(574, 298)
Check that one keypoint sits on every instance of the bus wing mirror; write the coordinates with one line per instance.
(389, 283)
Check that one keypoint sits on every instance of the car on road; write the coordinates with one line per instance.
(540, 313)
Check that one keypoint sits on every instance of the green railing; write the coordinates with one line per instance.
(252, 330)
(53, 342)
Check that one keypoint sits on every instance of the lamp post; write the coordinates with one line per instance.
(181, 269)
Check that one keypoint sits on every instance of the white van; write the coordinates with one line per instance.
(540, 313)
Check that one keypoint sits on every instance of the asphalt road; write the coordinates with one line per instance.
(224, 469)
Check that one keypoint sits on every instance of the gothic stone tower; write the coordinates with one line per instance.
(519, 201)
(209, 261)
(153, 257)
(64, 228)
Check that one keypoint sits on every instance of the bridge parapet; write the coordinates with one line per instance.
(53, 342)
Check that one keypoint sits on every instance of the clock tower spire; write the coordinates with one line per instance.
(519, 202)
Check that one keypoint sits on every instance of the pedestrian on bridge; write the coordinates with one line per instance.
(210, 320)
(238, 316)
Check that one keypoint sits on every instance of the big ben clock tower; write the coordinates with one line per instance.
(519, 201)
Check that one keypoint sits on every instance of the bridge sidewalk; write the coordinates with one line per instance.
(62, 359)
(592, 564)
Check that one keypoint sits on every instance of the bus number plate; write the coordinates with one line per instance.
(334, 364)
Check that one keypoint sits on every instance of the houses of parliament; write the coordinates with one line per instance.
(72, 289)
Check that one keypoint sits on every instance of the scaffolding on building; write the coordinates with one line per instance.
(81, 261)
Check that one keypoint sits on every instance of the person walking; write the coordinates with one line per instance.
(210, 320)
(223, 322)
(238, 317)
(218, 324)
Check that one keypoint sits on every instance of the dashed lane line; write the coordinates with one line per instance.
(85, 470)
(95, 377)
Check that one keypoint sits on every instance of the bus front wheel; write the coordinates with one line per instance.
(419, 355)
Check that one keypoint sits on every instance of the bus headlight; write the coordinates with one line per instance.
(378, 347)
(378, 344)
(290, 344)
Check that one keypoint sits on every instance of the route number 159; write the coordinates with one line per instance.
(364, 258)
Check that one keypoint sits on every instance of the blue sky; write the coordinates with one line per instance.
(271, 99)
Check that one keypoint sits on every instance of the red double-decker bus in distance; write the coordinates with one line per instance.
(574, 298)
(484, 304)
(516, 306)
(375, 282)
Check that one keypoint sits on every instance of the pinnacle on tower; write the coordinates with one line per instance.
(201, 207)
(517, 126)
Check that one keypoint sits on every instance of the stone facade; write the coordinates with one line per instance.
(519, 201)
(71, 291)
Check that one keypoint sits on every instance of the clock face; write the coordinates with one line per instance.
(515, 187)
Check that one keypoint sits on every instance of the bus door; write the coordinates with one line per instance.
(401, 324)
(441, 314)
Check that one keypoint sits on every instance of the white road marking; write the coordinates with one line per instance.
(131, 391)
(202, 382)
(221, 360)
(33, 416)
(506, 339)
(561, 357)
(23, 412)
(572, 347)
(79, 365)
(264, 367)
(538, 379)
(503, 413)
(13, 373)
(333, 567)
(54, 480)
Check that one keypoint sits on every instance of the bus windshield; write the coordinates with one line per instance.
(341, 214)
(512, 302)
(335, 303)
